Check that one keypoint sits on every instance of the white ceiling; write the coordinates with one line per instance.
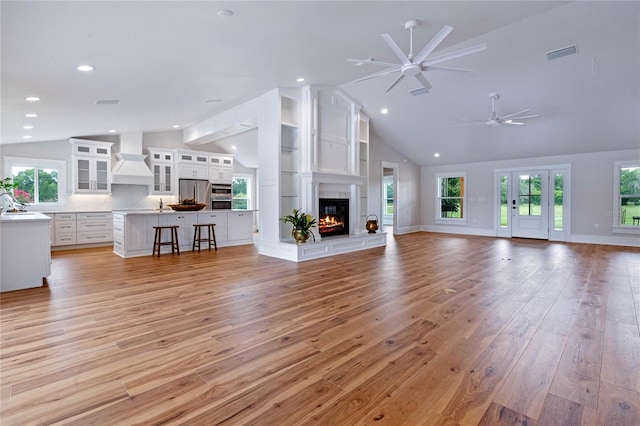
(163, 60)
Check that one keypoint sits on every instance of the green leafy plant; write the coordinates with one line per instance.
(7, 184)
(300, 221)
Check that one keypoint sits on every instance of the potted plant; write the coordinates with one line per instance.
(7, 185)
(302, 224)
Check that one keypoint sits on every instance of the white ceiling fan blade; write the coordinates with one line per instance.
(465, 70)
(396, 81)
(511, 122)
(453, 55)
(372, 62)
(430, 47)
(399, 53)
(516, 113)
(526, 116)
(378, 74)
(474, 123)
(423, 80)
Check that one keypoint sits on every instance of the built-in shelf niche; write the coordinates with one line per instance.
(289, 161)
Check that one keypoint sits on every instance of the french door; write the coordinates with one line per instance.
(530, 204)
(534, 203)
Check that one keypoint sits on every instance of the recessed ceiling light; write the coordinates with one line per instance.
(300, 80)
(436, 155)
(85, 68)
(27, 127)
(112, 131)
(233, 147)
(26, 137)
(32, 99)
(31, 115)
(384, 111)
(176, 126)
(225, 13)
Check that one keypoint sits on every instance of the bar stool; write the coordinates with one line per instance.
(197, 236)
(157, 239)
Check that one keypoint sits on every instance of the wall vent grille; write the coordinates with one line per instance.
(107, 102)
(565, 51)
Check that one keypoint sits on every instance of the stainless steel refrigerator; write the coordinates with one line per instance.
(198, 189)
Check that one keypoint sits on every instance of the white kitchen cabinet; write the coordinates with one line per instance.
(239, 225)
(192, 165)
(219, 219)
(193, 171)
(161, 163)
(65, 229)
(185, 222)
(94, 227)
(82, 228)
(133, 234)
(221, 169)
(91, 167)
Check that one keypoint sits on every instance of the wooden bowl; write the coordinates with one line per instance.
(187, 207)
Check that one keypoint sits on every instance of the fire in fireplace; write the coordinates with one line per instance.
(333, 216)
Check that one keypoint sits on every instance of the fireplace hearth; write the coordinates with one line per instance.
(333, 216)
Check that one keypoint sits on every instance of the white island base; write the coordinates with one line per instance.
(330, 246)
(25, 250)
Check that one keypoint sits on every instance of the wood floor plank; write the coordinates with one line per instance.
(497, 415)
(366, 338)
(526, 386)
(577, 377)
(559, 411)
(618, 406)
(621, 355)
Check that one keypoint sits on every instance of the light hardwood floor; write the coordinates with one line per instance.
(535, 333)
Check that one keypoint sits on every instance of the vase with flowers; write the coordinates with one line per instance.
(302, 224)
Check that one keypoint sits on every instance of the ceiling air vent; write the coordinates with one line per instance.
(419, 91)
(107, 102)
(565, 51)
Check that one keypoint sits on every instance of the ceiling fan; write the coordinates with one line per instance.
(414, 65)
(494, 120)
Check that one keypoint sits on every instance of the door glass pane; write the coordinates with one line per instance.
(388, 205)
(47, 186)
(167, 178)
(83, 174)
(630, 196)
(156, 177)
(504, 202)
(529, 189)
(558, 202)
(101, 175)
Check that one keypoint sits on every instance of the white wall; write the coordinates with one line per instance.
(408, 190)
(591, 195)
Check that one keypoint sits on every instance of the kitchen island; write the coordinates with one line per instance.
(133, 231)
(25, 250)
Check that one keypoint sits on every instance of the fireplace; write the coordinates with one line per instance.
(333, 216)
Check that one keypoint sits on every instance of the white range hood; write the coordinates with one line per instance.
(130, 169)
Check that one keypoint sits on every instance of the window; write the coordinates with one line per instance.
(451, 197)
(388, 195)
(241, 190)
(627, 195)
(39, 181)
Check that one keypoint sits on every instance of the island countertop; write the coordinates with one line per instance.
(170, 211)
(23, 216)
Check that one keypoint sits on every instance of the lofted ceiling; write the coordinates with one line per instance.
(176, 63)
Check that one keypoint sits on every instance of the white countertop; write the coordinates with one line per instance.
(169, 211)
(23, 217)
